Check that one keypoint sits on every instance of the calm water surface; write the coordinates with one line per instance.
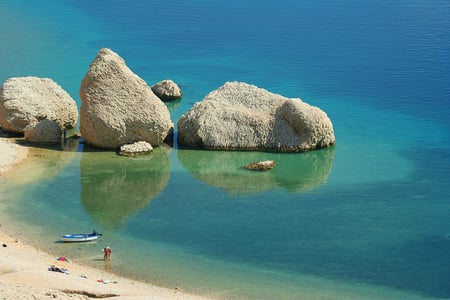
(368, 218)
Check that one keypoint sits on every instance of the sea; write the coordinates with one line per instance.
(368, 218)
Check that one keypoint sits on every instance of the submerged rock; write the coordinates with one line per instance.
(263, 165)
(240, 116)
(118, 107)
(29, 100)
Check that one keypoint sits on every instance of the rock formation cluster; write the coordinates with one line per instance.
(118, 108)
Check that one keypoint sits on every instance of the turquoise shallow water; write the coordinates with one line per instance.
(368, 218)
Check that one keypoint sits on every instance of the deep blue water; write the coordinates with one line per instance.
(370, 215)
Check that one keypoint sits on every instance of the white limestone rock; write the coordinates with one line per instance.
(136, 149)
(118, 107)
(240, 116)
(29, 100)
(167, 90)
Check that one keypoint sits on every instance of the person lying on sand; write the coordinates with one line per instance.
(58, 269)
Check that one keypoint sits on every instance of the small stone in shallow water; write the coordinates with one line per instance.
(264, 165)
(135, 149)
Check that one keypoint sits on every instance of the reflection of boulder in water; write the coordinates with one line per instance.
(173, 105)
(305, 171)
(70, 144)
(115, 187)
(296, 172)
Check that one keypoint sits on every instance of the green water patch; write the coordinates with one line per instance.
(297, 172)
(114, 188)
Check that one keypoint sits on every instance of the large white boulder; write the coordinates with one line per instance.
(240, 116)
(29, 100)
(118, 107)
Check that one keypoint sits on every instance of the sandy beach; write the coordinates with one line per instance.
(11, 154)
(25, 274)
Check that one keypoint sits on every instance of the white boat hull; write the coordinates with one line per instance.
(80, 237)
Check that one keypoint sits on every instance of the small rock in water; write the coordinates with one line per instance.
(135, 149)
(167, 90)
(264, 165)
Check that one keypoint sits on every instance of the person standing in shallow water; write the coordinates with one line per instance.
(107, 253)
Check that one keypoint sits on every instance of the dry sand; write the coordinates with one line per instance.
(24, 272)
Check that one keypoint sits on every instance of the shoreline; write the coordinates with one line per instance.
(25, 274)
(24, 269)
(11, 154)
